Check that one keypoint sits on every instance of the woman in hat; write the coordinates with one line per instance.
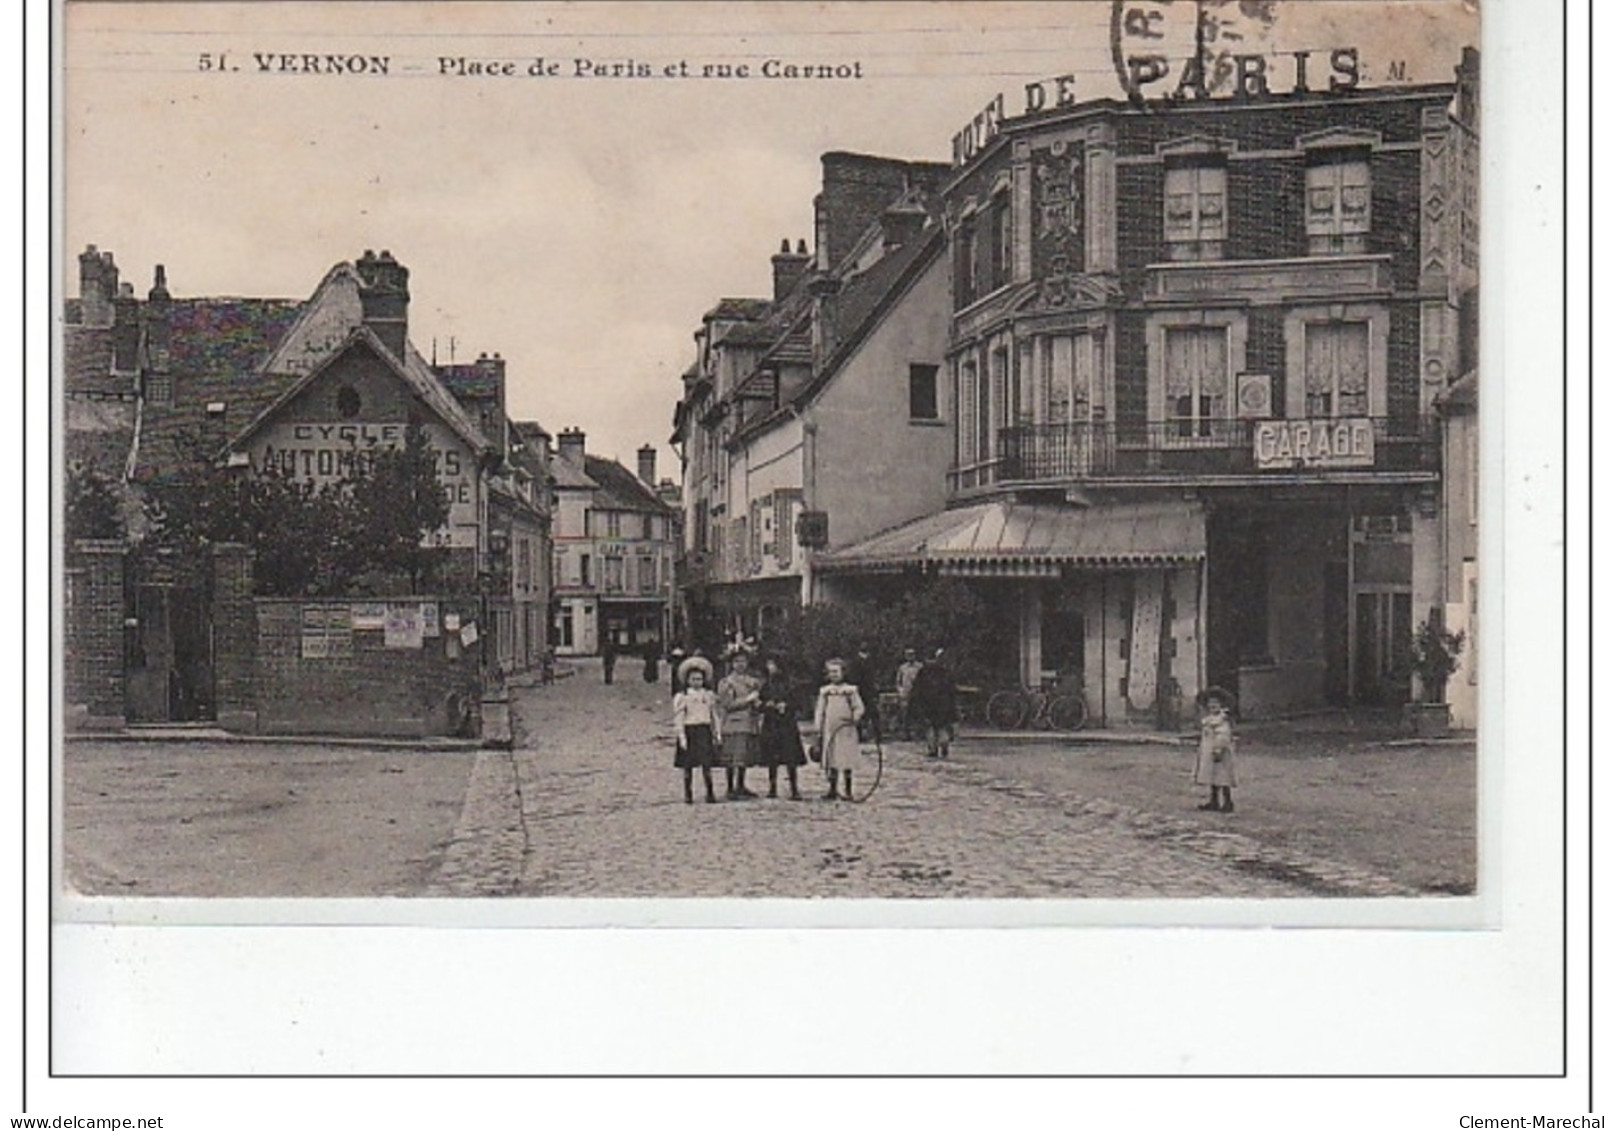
(738, 700)
(697, 724)
(779, 742)
(840, 710)
(1214, 762)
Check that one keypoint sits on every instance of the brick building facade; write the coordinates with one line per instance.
(1195, 349)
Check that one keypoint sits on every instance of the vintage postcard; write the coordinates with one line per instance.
(774, 465)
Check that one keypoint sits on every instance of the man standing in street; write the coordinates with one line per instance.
(934, 701)
(608, 658)
(906, 671)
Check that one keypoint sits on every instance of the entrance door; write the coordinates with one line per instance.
(169, 655)
(1384, 628)
(1063, 648)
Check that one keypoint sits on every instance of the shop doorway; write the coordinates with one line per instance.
(1384, 623)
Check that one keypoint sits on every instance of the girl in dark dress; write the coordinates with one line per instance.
(780, 743)
(697, 726)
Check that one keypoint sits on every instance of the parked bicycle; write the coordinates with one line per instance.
(972, 704)
(1040, 707)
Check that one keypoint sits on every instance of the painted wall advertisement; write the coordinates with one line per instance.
(329, 451)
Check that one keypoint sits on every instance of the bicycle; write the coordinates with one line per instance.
(971, 702)
(1040, 707)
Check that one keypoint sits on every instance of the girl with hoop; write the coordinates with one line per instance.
(840, 709)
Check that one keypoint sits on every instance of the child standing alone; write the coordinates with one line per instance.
(1214, 763)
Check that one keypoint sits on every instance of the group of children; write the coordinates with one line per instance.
(747, 720)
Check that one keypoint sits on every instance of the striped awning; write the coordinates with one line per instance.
(1009, 539)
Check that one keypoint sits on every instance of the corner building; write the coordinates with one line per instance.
(1195, 348)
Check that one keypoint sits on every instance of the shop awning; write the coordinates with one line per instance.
(1009, 539)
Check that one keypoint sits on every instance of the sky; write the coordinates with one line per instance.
(577, 225)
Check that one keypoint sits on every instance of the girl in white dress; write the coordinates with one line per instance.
(840, 709)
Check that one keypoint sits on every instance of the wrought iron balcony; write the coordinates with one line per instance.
(1205, 448)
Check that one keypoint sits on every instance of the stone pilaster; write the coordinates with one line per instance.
(94, 628)
(235, 638)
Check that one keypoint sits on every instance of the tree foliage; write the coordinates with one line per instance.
(939, 613)
(91, 506)
(362, 533)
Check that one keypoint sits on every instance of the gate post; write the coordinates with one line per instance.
(94, 677)
(235, 638)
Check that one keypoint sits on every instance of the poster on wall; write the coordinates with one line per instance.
(429, 620)
(403, 627)
(369, 615)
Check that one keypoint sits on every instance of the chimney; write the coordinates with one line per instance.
(384, 295)
(902, 223)
(156, 319)
(789, 267)
(571, 444)
(647, 466)
(98, 286)
(491, 394)
(125, 330)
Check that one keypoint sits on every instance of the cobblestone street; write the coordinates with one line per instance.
(589, 804)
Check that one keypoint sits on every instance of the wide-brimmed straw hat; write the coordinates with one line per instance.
(695, 663)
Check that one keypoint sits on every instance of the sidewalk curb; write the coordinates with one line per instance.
(1071, 738)
(171, 736)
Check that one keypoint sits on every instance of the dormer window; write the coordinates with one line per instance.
(1338, 202)
(348, 402)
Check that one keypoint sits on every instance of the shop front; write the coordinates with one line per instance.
(1311, 596)
(1105, 599)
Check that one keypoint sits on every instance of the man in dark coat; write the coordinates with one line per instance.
(861, 674)
(934, 701)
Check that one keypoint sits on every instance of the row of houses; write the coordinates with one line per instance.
(165, 398)
(1185, 391)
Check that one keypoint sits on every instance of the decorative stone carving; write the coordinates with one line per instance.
(1058, 214)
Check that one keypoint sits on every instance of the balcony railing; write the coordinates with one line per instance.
(1110, 450)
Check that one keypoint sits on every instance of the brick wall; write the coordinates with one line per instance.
(1266, 195)
(1132, 378)
(362, 687)
(1275, 127)
(1140, 191)
(1394, 214)
(1264, 349)
(235, 638)
(93, 635)
(1402, 368)
(1266, 202)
